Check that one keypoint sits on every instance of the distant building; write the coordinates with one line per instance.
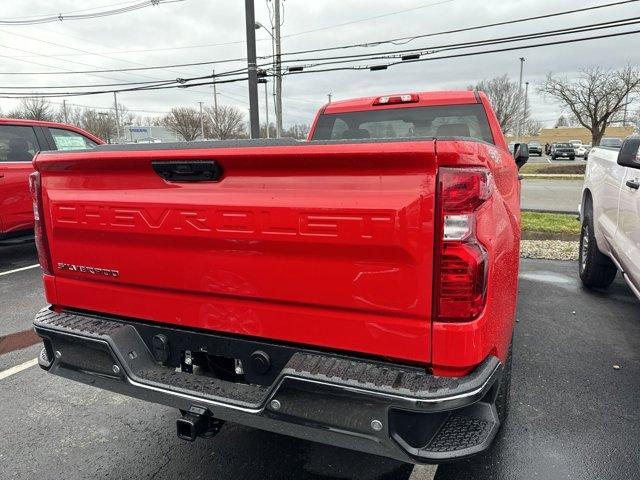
(149, 134)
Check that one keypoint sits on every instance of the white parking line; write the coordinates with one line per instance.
(423, 472)
(18, 368)
(19, 269)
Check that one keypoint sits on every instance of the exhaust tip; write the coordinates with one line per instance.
(44, 360)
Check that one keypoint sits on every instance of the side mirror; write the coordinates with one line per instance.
(521, 154)
(629, 155)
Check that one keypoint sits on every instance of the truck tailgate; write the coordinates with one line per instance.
(325, 245)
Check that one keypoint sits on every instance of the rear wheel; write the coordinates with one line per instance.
(595, 268)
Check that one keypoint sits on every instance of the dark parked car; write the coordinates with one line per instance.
(535, 148)
(562, 150)
(611, 142)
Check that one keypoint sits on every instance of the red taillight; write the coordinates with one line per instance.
(461, 274)
(391, 99)
(39, 230)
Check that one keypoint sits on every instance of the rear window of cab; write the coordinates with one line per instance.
(468, 121)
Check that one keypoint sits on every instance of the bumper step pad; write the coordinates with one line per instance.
(460, 432)
(425, 418)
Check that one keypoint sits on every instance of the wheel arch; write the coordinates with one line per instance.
(585, 202)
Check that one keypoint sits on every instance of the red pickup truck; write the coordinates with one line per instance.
(19, 142)
(358, 289)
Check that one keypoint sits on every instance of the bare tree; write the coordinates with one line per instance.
(562, 122)
(531, 127)
(183, 121)
(101, 124)
(272, 130)
(597, 97)
(34, 108)
(506, 99)
(225, 122)
(298, 131)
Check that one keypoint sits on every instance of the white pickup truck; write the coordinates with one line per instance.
(610, 215)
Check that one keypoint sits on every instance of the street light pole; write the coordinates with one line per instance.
(276, 20)
(526, 99)
(519, 127)
(250, 24)
(115, 101)
(273, 60)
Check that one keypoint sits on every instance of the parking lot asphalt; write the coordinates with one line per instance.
(573, 415)
(547, 159)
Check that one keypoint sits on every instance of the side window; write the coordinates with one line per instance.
(17, 143)
(68, 140)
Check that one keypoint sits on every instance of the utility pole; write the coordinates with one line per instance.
(519, 127)
(115, 101)
(64, 111)
(250, 18)
(276, 21)
(201, 122)
(215, 93)
(526, 99)
(329, 97)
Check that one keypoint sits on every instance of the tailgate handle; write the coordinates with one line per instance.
(193, 171)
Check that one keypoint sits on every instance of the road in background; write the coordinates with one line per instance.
(551, 195)
(572, 416)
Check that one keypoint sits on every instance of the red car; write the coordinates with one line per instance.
(358, 289)
(20, 140)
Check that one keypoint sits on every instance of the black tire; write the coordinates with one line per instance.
(595, 268)
(572, 158)
(503, 397)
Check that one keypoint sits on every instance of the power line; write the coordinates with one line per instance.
(19, 95)
(84, 16)
(466, 29)
(122, 84)
(369, 44)
(73, 11)
(388, 14)
(363, 45)
(117, 70)
(459, 55)
(333, 69)
(476, 43)
(435, 50)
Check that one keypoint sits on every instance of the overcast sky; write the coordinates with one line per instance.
(211, 30)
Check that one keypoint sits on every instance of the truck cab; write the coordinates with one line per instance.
(610, 214)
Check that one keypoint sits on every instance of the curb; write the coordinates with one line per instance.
(552, 176)
(538, 210)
